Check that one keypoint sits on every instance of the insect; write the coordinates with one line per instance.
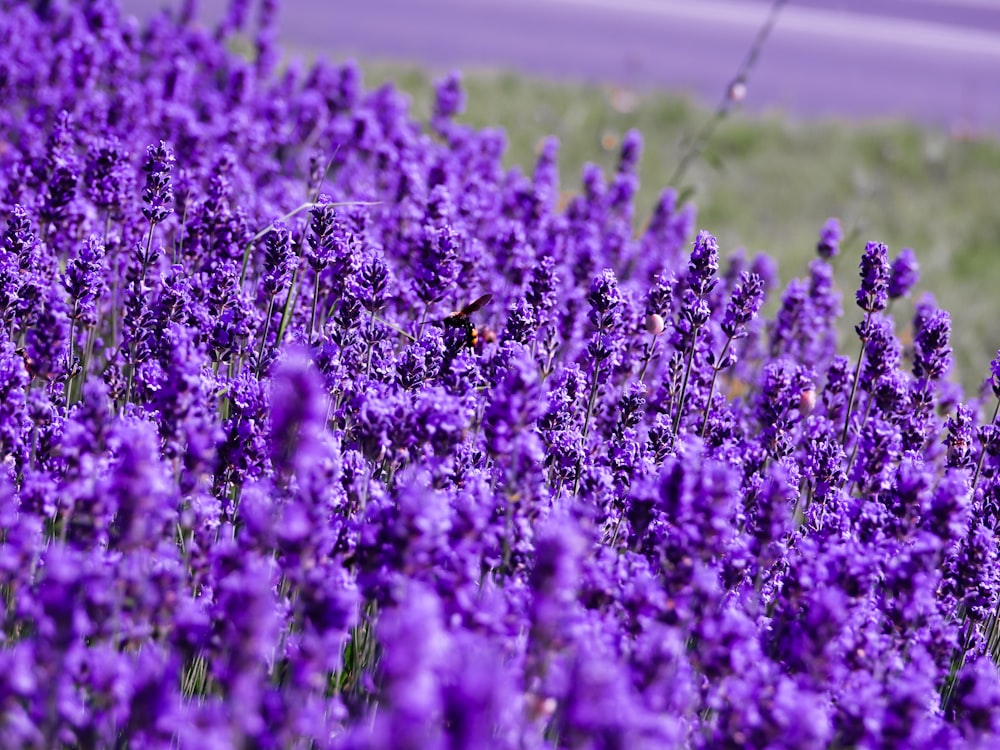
(460, 321)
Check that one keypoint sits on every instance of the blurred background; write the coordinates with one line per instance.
(770, 116)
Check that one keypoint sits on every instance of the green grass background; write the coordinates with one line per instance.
(768, 182)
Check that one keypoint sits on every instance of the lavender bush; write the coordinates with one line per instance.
(262, 489)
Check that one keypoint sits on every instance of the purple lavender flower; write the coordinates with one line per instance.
(19, 239)
(703, 266)
(931, 352)
(605, 300)
(158, 194)
(449, 98)
(976, 701)
(516, 405)
(108, 177)
(745, 302)
(630, 152)
(84, 280)
(829, 239)
(995, 375)
(278, 259)
(373, 284)
(61, 170)
(904, 273)
(959, 438)
(873, 295)
(882, 354)
(14, 382)
(298, 409)
(437, 267)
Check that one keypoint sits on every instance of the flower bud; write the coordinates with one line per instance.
(807, 401)
(654, 324)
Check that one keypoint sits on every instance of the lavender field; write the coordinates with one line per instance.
(321, 428)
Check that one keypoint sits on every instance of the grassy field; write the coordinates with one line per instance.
(767, 183)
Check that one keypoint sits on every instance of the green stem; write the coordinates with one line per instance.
(423, 319)
(312, 312)
(957, 662)
(371, 329)
(650, 348)
(684, 383)
(286, 311)
(591, 402)
(263, 338)
(982, 453)
(697, 144)
(857, 444)
(854, 385)
(299, 209)
(711, 388)
(69, 353)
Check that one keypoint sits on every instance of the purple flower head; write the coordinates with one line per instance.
(630, 153)
(449, 98)
(995, 375)
(694, 313)
(158, 194)
(437, 266)
(792, 317)
(546, 174)
(415, 646)
(554, 581)
(246, 620)
(882, 353)
(931, 352)
(971, 575)
(229, 312)
(703, 267)
(521, 323)
(61, 170)
(298, 408)
(976, 702)
(13, 402)
(873, 295)
(825, 459)
(778, 406)
(879, 448)
(326, 235)
(541, 294)
(605, 300)
(278, 259)
(659, 298)
(516, 404)
(19, 239)
(372, 284)
(47, 338)
(950, 507)
(960, 437)
(829, 239)
(668, 231)
(904, 274)
(108, 178)
(745, 302)
(84, 280)
(139, 487)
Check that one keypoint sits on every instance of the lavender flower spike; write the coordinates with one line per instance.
(905, 273)
(829, 239)
(158, 195)
(745, 302)
(873, 295)
(703, 266)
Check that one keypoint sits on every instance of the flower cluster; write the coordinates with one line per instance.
(320, 428)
